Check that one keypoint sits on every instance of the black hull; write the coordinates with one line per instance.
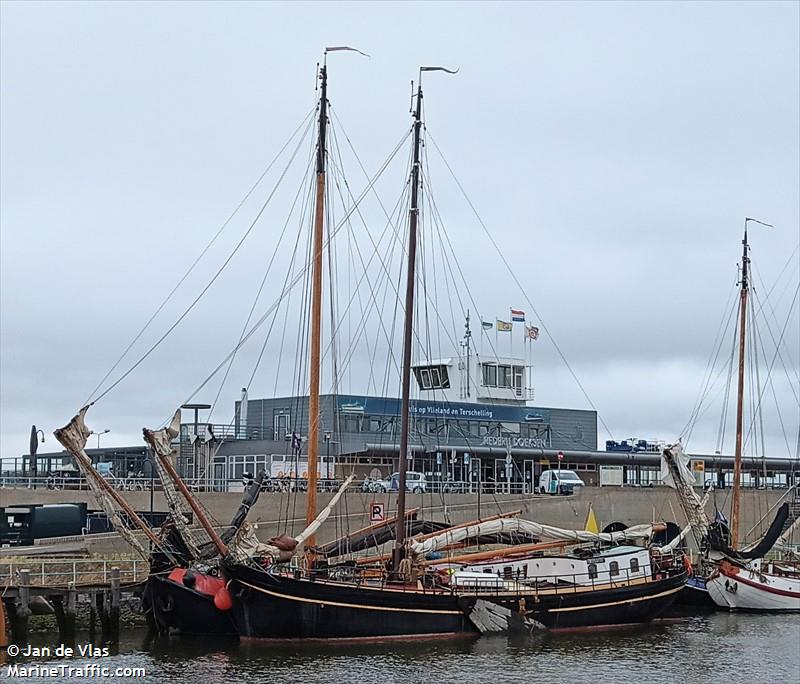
(694, 598)
(176, 607)
(279, 607)
(267, 606)
(622, 605)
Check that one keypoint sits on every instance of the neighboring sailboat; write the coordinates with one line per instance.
(734, 578)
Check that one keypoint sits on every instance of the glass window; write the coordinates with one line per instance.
(445, 377)
(613, 568)
(436, 380)
(518, 375)
(634, 565)
(592, 571)
(483, 429)
(504, 376)
(490, 375)
(425, 378)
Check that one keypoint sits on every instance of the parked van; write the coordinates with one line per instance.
(415, 482)
(559, 482)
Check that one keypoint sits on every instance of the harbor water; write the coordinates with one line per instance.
(715, 648)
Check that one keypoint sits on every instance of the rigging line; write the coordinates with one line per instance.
(728, 384)
(443, 257)
(306, 268)
(200, 256)
(769, 329)
(758, 339)
(382, 263)
(708, 374)
(264, 279)
(210, 282)
(519, 285)
(362, 277)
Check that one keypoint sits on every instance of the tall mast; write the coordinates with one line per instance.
(400, 525)
(316, 309)
(737, 462)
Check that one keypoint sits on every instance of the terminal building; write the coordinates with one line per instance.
(472, 424)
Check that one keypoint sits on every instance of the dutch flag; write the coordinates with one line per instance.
(517, 316)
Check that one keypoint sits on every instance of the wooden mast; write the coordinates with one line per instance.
(400, 525)
(316, 309)
(737, 462)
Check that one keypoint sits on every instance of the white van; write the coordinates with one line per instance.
(415, 482)
(559, 482)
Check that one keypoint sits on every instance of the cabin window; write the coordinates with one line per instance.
(490, 374)
(507, 572)
(634, 565)
(613, 568)
(488, 570)
(425, 378)
(592, 571)
(518, 386)
(433, 377)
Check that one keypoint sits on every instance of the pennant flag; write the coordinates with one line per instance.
(517, 316)
(591, 521)
(503, 326)
(487, 325)
(531, 333)
(719, 517)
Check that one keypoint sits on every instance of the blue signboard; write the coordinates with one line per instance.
(420, 408)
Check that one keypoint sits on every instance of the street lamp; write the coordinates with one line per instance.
(326, 436)
(103, 432)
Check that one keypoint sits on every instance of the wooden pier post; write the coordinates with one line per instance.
(115, 604)
(70, 614)
(92, 617)
(22, 610)
(102, 611)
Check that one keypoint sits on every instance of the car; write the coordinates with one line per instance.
(415, 482)
(559, 482)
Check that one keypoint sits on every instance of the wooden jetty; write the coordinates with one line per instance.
(63, 583)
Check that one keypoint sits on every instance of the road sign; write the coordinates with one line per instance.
(376, 511)
(560, 455)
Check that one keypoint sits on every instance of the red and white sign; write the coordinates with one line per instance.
(560, 455)
(376, 511)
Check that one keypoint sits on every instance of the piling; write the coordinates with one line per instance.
(21, 609)
(115, 605)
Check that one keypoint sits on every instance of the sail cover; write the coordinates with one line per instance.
(538, 530)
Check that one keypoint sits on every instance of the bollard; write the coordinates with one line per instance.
(115, 605)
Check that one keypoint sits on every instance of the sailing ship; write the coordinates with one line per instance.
(284, 589)
(734, 578)
(403, 599)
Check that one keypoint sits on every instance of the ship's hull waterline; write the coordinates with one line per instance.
(275, 606)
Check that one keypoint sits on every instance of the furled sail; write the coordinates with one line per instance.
(246, 545)
(538, 530)
(675, 473)
(160, 442)
(73, 438)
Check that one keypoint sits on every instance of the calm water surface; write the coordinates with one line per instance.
(715, 648)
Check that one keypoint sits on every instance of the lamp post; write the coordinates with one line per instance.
(34, 447)
(326, 436)
(103, 432)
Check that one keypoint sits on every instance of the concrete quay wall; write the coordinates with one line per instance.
(277, 512)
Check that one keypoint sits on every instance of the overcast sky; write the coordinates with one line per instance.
(612, 150)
